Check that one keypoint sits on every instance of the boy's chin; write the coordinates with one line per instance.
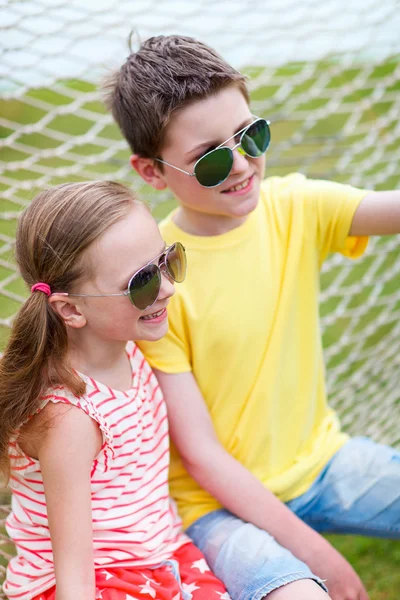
(244, 208)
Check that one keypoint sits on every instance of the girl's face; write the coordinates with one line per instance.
(122, 250)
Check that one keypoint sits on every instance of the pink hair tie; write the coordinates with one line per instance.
(41, 287)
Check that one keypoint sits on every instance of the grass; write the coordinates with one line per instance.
(376, 562)
(303, 127)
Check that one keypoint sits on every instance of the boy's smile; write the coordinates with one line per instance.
(194, 130)
(240, 188)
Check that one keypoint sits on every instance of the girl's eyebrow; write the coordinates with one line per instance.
(217, 143)
(132, 272)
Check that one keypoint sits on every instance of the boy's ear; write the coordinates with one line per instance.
(70, 312)
(148, 171)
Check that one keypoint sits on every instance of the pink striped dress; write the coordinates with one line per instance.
(135, 522)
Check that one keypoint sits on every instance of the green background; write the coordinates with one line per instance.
(377, 561)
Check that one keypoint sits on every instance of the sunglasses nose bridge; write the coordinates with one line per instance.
(239, 148)
(162, 265)
(239, 159)
(167, 284)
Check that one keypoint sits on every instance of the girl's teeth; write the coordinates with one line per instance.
(153, 316)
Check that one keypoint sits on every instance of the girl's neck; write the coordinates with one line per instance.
(106, 362)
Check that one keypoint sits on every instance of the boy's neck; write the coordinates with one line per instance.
(202, 224)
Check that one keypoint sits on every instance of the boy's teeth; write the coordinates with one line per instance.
(153, 315)
(240, 186)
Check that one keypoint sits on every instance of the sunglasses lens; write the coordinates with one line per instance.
(213, 168)
(175, 261)
(145, 286)
(256, 138)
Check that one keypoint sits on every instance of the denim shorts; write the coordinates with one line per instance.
(357, 492)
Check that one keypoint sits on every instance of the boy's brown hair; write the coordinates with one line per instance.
(163, 76)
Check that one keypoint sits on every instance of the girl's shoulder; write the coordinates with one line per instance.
(142, 372)
(135, 356)
(55, 419)
(53, 413)
(57, 398)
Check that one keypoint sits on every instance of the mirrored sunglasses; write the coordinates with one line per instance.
(144, 285)
(214, 167)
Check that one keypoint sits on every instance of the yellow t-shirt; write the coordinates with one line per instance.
(245, 321)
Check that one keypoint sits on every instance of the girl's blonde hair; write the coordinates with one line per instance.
(53, 232)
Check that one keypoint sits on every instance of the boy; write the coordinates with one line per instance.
(242, 367)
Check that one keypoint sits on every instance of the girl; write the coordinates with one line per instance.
(84, 435)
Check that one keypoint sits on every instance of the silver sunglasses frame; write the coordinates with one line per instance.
(155, 261)
(238, 145)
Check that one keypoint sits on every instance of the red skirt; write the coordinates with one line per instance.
(186, 575)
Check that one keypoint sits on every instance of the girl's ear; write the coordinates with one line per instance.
(148, 171)
(68, 310)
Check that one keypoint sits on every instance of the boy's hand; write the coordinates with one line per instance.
(342, 581)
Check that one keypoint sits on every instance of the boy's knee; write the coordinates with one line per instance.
(305, 589)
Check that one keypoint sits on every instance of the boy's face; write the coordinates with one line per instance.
(197, 129)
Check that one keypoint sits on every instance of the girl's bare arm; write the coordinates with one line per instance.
(68, 443)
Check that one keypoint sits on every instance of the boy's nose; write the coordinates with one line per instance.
(240, 162)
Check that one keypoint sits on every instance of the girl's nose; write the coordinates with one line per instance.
(167, 288)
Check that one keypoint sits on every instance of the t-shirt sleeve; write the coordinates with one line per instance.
(172, 353)
(328, 209)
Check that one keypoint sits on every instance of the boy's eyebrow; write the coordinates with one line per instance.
(216, 143)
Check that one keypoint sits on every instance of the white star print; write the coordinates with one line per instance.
(190, 587)
(224, 596)
(177, 597)
(107, 575)
(147, 589)
(149, 579)
(201, 565)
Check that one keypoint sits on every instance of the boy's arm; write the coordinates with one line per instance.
(377, 214)
(241, 492)
(66, 453)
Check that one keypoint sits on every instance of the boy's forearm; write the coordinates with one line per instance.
(218, 472)
(377, 214)
(240, 492)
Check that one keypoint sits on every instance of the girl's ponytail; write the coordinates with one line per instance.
(52, 234)
(34, 359)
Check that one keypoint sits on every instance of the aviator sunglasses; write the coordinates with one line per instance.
(214, 167)
(144, 285)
